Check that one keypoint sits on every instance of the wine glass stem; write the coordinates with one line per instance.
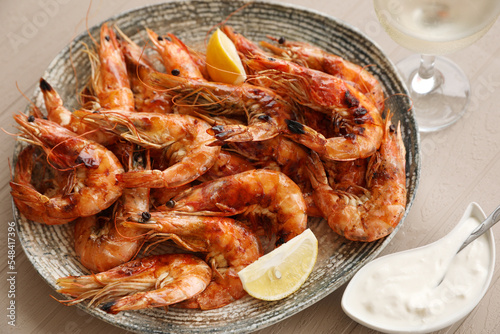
(426, 79)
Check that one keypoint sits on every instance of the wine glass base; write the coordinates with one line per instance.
(446, 102)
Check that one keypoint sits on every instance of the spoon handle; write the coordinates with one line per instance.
(492, 219)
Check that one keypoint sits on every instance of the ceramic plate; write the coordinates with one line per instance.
(50, 248)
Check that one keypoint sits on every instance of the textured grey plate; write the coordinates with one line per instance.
(50, 248)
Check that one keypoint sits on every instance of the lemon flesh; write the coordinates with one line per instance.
(223, 63)
(281, 272)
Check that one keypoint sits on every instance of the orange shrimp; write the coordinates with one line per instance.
(318, 59)
(110, 82)
(228, 245)
(59, 114)
(377, 212)
(184, 137)
(32, 170)
(257, 191)
(101, 242)
(227, 164)
(154, 281)
(145, 98)
(363, 126)
(267, 112)
(94, 187)
(175, 55)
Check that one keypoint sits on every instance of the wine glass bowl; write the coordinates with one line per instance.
(439, 89)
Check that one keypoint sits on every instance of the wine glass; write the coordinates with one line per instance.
(439, 89)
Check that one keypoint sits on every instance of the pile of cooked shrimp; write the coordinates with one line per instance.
(169, 155)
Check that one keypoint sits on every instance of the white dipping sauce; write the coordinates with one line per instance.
(400, 292)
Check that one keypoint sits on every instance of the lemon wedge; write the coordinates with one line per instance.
(223, 63)
(282, 271)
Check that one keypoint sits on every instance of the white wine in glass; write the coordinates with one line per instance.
(439, 89)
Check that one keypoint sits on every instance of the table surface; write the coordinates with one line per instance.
(459, 164)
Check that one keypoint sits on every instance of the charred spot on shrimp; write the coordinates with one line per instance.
(45, 86)
(295, 127)
(350, 100)
(359, 112)
(107, 306)
(351, 136)
(88, 159)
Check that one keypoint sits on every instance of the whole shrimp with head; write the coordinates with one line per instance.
(229, 247)
(184, 138)
(363, 126)
(315, 58)
(110, 82)
(103, 242)
(94, 168)
(260, 191)
(264, 111)
(376, 212)
(155, 281)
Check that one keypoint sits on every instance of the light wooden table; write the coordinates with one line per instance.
(459, 164)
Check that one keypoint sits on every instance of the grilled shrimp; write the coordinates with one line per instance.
(94, 187)
(228, 245)
(267, 112)
(146, 99)
(362, 127)
(258, 191)
(110, 81)
(175, 55)
(315, 58)
(377, 212)
(227, 164)
(284, 155)
(184, 137)
(149, 282)
(102, 242)
(33, 170)
(59, 114)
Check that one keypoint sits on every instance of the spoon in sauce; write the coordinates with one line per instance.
(427, 288)
(491, 220)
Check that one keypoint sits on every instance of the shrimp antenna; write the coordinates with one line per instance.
(225, 20)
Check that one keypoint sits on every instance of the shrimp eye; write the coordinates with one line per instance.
(145, 216)
(264, 117)
(31, 118)
(175, 72)
(281, 40)
(160, 38)
(170, 204)
(106, 38)
(392, 128)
